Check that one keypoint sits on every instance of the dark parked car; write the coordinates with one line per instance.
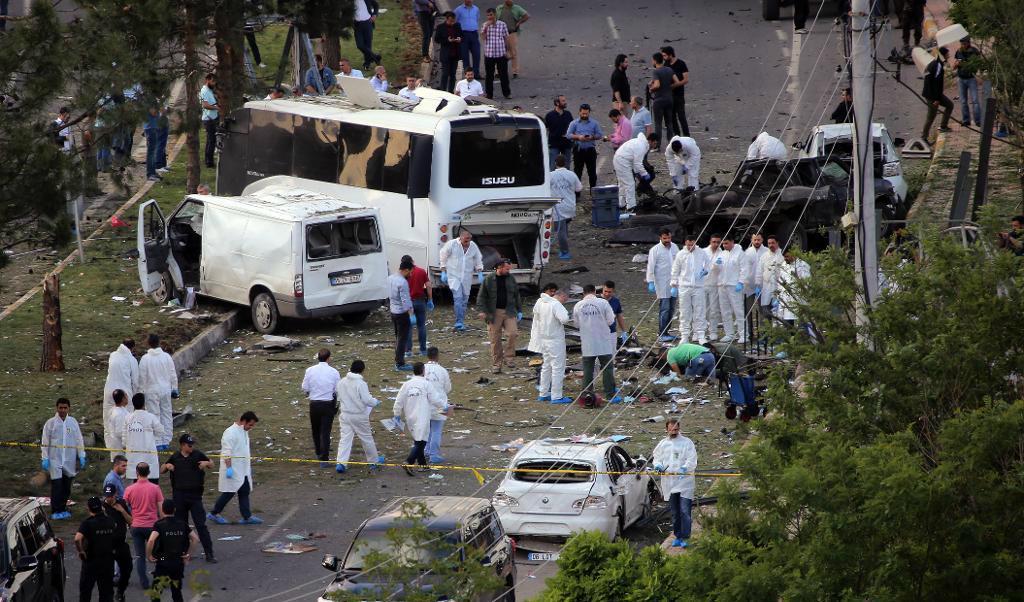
(31, 558)
(464, 523)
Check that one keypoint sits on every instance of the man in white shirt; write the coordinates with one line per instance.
(65, 141)
(711, 307)
(345, 68)
(158, 379)
(379, 81)
(409, 91)
(751, 257)
(730, 289)
(469, 86)
(593, 317)
(547, 337)
(356, 405)
(123, 374)
(460, 257)
(659, 280)
(437, 375)
(319, 385)
(365, 18)
(565, 185)
(689, 269)
(61, 445)
(236, 471)
(766, 279)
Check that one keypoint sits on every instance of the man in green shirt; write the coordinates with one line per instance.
(513, 16)
(688, 359)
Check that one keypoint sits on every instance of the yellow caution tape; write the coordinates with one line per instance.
(476, 470)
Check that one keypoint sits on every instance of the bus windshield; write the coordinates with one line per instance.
(498, 155)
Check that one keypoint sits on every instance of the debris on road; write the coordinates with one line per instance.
(288, 548)
(513, 445)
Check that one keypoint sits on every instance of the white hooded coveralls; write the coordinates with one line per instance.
(767, 276)
(61, 444)
(356, 404)
(711, 307)
(628, 160)
(730, 273)
(461, 264)
(688, 272)
(122, 373)
(751, 259)
(766, 146)
(547, 337)
(659, 268)
(234, 445)
(684, 166)
(789, 273)
(142, 431)
(157, 378)
(416, 401)
(676, 454)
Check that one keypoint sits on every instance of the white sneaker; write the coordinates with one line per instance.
(263, 65)
(163, 170)
(702, 341)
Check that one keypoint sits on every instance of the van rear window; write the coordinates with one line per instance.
(536, 471)
(344, 238)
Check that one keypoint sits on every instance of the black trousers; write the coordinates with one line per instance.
(250, 37)
(402, 325)
(60, 491)
(98, 572)
(191, 503)
(426, 28)
(416, 455)
(321, 420)
(679, 114)
(123, 558)
(913, 18)
(801, 9)
(947, 111)
(210, 125)
(449, 65)
(501, 63)
(585, 157)
(663, 113)
(168, 574)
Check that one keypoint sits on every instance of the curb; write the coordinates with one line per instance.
(200, 346)
(929, 176)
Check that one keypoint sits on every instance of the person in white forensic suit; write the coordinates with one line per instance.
(547, 337)
(629, 160)
(416, 401)
(356, 404)
(793, 268)
(123, 374)
(690, 268)
(460, 258)
(766, 279)
(142, 430)
(158, 379)
(236, 471)
(766, 146)
(751, 258)
(676, 457)
(711, 306)
(113, 428)
(730, 290)
(61, 445)
(437, 375)
(659, 280)
(683, 157)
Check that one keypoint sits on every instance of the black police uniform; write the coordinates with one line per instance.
(172, 542)
(122, 551)
(187, 492)
(98, 564)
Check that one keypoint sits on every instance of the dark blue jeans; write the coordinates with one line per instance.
(471, 50)
(419, 307)
(243, 500)
(161, 147)
(682, 518)
(364, 41)
(666, 310)
(3, 12)
(151, 146)
(139, 537)
(701, 366)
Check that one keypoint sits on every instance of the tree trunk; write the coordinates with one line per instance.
(194, 24)
(53, 353)
(330, 46)
(229, 22)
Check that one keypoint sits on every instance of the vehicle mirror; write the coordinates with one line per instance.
(27, 562)
(330, 562)
(899, 142)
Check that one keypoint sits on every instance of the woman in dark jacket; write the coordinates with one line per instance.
(449, 35)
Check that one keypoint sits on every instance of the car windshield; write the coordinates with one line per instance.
(553, 471)
(377, 540)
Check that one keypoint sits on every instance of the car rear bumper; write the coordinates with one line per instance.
(290, 307)
(555, 525)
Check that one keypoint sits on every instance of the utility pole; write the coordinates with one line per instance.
(866, 238)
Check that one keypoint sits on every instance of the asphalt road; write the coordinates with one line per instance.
(738, 86)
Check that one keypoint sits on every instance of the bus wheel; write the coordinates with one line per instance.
(264, 313)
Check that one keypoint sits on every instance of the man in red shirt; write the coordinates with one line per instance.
(144, 498)
(422, 302)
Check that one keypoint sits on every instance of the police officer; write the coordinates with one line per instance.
(170, 547)
(188, 468)
(95, 544)
(117, 510)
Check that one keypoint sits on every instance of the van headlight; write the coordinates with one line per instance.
(500, 498)
(591, 501)
(891, 170)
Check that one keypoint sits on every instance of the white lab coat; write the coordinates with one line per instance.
(113, 429)
(688, 273)
(142, 430)
(730, 273)
(461, 264)
(437, 375)
(675, 455)
(766, 146)
(122, 373)
(416, 401)
(751, 258)
(157, 378)
(684, 166)
(547, 337)
(659, 268)
(234, 443)
(788, 274)
(629, 160)
(767, 275)
(593, 317)
(61, 443)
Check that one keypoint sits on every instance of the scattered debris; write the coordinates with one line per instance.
(179, 418)
(639, 258)
(658, 418)
(436, 476)
(288, 548)
(230, 538)
(271, 341)
(119, 299)
(573, 270)
(513, 445)
(677, 391)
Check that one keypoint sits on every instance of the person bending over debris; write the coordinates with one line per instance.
(687, 359)
(683, 158)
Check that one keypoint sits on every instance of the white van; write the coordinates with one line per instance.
(282, 251)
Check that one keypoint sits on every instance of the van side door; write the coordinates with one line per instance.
(153, 245)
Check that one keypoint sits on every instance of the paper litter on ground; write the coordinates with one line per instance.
(677, 391)
(513, 445)
(639, 258)
(289, 548)
(664, 380)
(230, 538)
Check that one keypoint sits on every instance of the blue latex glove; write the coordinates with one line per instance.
(718, 261)
(775, 304)
(757, 291)
(646, 177)
(480, 277)
(230, 473)
(82, 460)
(702, 274)
(444, 277)
(519, 316)
(412, 319)
(46, 464)
(659, 468)
(674, 292)
(651, 288)
(739, 287)
(623, 337)
(430, 305)
(175, 394)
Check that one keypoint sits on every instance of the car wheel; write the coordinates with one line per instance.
(264, 313)
(355, 318)
(164, 293)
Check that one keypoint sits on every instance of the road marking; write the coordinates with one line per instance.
(793, 89)
(611, 26)
(284, 518)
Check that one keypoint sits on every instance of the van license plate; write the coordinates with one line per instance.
(542, 556)
(346, 279)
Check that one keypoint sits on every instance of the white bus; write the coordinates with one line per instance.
(433, 168)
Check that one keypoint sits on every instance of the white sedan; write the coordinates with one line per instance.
(532, 502)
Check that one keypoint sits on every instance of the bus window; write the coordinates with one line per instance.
(270, 144)
(395, 174)
(316, 149)
(495, 156)
(363, 160)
